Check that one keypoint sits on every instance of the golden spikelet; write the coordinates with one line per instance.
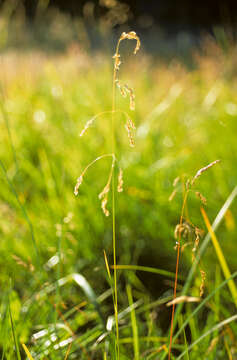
(203, 277)
(129, 130)
(201, 197)
(202, 170)
(131, 36)
(126, 90)
(183, 229)
(117, 61)
(120, 181)
(198, 234)
(176, 180)
(172, 195)
(103, 205)
(182, 299)
(78, 183)
(88, 124)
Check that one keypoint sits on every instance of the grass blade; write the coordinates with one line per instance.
(221, 257)
(14, 334)
(134, 324)
(27, 352)
(146, 269)
(203, 247)
(216, 327)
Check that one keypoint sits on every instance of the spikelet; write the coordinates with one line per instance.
(103, 196)
(129, 126)
(76, 188)
(131, 36)
(103, 205)
(198, 233)
(182, 229)
(176, 180)
(182, 299)
(117, 61)
(203, 277)
(201, 197)
(120, 181)
(126, 90)
(202, 170)
(172, 195)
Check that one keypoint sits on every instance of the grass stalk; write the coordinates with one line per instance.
(177, 270)
(113, 212)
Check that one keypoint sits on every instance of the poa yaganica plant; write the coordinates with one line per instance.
(125, 91)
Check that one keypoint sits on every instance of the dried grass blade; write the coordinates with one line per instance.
(221, 257)
(27, 352)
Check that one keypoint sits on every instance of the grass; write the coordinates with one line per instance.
(58, 249)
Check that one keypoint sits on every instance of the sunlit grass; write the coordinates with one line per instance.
(52, 243)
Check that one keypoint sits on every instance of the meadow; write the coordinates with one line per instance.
(57, 254)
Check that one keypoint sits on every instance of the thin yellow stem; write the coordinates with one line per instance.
(113, 215)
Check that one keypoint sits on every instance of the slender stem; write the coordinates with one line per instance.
(177, 270)
(113, 214)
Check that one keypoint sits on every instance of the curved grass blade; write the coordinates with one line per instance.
(221, 257)
(146, 269)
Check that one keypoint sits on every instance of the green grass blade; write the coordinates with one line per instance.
(14, 334)
(147, 269)
(134, 324)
